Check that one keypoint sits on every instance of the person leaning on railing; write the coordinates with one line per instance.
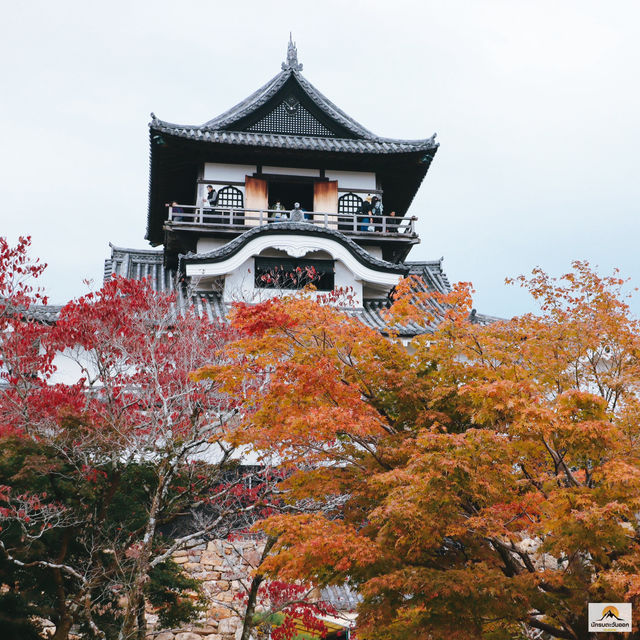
(175, 209)
(364, 214)
(376, 212)
(392, 222)
(210, 201)
(279, 212)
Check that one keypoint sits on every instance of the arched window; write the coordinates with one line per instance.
(349, 203)
(230, 198)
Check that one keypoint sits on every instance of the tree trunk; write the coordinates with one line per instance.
(63, 627)
(142, 619)
(134, 611)
(65, 619)
(253, 593)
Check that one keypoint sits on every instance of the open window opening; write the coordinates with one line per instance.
(288, 193)
(292, 273)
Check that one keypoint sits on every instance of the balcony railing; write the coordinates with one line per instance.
(227, 219)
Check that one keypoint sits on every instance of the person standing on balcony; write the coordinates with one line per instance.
(364, 214)
(210, 200)
(393, 220)
(212, 196)
(279, 211)
(176, 211)
(376, 212)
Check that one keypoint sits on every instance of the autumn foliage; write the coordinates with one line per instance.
(482, 483)
(97, 465)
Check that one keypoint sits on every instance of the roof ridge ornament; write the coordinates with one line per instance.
(292, 63)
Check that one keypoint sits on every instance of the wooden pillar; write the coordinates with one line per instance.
(325, 200)
(255, 197)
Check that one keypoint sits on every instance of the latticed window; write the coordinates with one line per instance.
(349, 203)
(230, 198)
(290, 117)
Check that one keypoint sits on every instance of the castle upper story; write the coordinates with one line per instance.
(282, 190)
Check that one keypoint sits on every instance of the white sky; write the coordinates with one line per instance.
(535, 103)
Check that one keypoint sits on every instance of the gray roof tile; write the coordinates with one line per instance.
(280, 141)
(144, 263)
(342, 597)
(210, 304)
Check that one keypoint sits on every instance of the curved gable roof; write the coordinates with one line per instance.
(270, 95)
(269, 92)
(299, 228)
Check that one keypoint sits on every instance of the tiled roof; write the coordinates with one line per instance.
(222, 129)
(44, 313)
(139, 264)
(342, 597)
(262, 95)
(434, 279)
(308, 143)
(144, 263)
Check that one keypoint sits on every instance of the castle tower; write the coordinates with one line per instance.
(279, 185)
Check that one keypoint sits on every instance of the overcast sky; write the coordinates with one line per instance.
(536, 106)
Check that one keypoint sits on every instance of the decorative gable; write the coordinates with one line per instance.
(291, 117)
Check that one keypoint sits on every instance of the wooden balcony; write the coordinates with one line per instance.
(235, 221)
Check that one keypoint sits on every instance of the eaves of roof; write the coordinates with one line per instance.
(377, 146)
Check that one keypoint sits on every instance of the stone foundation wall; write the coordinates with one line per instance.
(224, 569)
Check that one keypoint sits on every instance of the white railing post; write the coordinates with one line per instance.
(384, 224)
(326, 220)
(170, 214)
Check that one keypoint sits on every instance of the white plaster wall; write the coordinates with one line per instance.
(219, 175)
(209, 244)
(239, 273)
(239, 285)
(223, 172)
(344, 279)
(376, 252)
(352, 179)
(272, 252)
(292, 171)
(67, 371)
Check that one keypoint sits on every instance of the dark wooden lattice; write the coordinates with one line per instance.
(349, 203)
(230, 198)
(291, 118)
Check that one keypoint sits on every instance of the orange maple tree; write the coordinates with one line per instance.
(482, 483)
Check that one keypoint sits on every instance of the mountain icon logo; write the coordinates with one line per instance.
(610, 613)
(610, 617)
